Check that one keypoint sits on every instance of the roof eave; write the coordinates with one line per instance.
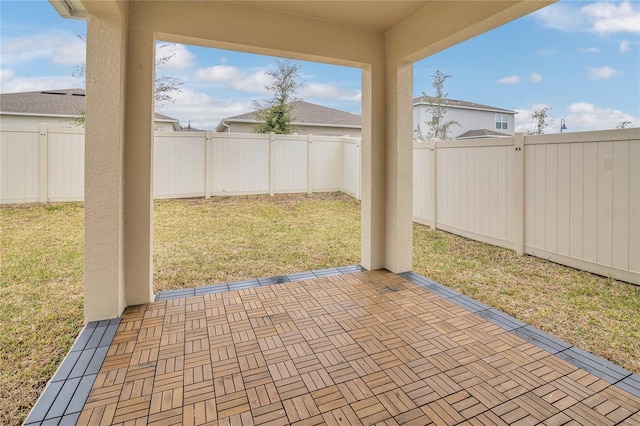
(69, 8)
(35, 114)
(508, 111)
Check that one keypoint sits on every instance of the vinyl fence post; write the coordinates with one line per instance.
(309, 164)
(272, 139)
(517, 196)
(433, 190)
(207, 172)
(359, 170)
(44, 164)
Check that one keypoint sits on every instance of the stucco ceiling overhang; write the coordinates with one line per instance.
(414, 29)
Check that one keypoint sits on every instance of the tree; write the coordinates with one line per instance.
(438, 128)
(623, 124)
(542, 119)
(165, 86)
(275, 115)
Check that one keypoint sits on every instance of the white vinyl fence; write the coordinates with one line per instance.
(47, 164)
(573, 198)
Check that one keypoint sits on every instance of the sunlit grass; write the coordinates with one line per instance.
(594, 313)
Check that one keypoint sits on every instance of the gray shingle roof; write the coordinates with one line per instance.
(308, 113)
(480, 133)
(455, 103)
(64, 102)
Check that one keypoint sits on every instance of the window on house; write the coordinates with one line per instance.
(501, 121)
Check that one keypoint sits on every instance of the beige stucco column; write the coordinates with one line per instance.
(399, 167)
(104, 290)
(372, 239)
(387, 164)
(138, 162)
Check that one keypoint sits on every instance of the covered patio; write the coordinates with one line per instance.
(353, 346)
(341, 346)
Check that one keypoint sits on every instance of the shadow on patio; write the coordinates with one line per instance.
(330, 347)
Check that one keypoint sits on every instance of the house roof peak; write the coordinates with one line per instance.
(456, 103)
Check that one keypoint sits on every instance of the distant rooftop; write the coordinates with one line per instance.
(482, 133)
(308, 113)
(58, 102)
(455, 103)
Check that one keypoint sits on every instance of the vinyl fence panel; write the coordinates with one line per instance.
(239, 164)
(19, 165)
(65, 164)
(327, 164)
(582, 204)
(179, 164)
(289, 162)
(472, 189)
(351, 167)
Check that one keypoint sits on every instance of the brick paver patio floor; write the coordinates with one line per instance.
(359, 348)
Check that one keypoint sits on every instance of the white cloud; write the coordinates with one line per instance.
(602, 18)
(180, 57)
(203, 111)
(328, 91)
(602, 73)
(524, 123)
(516, 79)
(607, 18)
(11, 83)
(235, 78)
(562, 16)
(546, 52)
(512, 79)
(584, 116)
(589, 50)
(624, 46)
(6, 74)
(535, 77)
(60, 49)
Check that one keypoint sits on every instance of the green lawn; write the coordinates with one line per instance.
(199, 242)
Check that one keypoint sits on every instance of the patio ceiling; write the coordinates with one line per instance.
(424, 27)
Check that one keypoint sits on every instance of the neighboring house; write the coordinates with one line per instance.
(310, 119)
(475, 120)
(56, 108)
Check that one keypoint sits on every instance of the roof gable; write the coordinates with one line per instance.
(455, 103)
(305, 113)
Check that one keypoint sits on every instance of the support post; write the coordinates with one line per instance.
(399, 167)
(104, 282)
(272, 138)
(44, 164)
(433, 190)
(517, 195)
(310, 164)
(208, 173)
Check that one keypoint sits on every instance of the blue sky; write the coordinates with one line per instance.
(581, 58)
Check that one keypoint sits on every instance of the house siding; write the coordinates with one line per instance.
(469, 119)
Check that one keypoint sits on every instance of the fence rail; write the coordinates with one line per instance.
(572, 198)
